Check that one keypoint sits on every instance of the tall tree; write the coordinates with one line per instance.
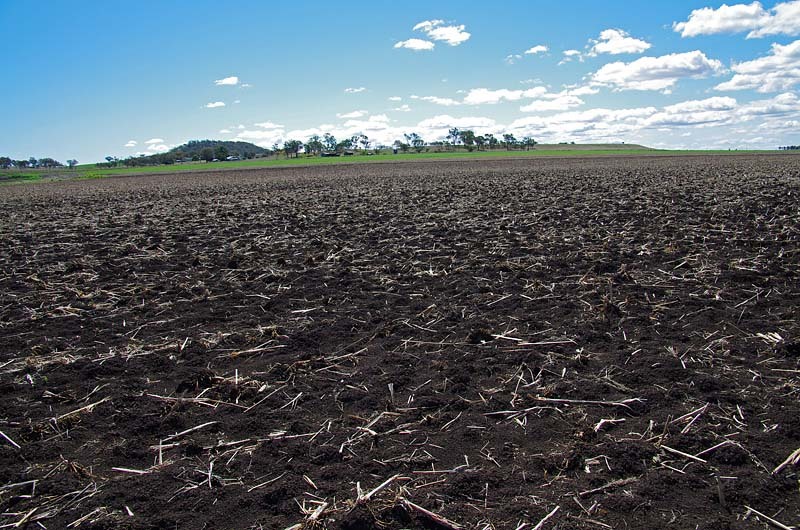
(468, 139)
(415, 141)
(329, 141)
(314, 145)
(207, 154)
(5, 162)
(72, 163)
(454, 135)
(292, 147)
(509, 140)
(221, 152)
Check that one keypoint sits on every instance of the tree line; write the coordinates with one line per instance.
(32, 162)
(789, 148)
(328, 145)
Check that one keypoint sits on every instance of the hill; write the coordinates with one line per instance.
(193, 148)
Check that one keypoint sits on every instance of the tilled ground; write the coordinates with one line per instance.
(613, 343)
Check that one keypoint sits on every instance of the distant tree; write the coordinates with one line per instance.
(5, 162)
(49, 163)
(347, 143)
(21, 164)
(72, 163)
(480, 141)
(32, 162)
(314, 145)
(468, 139)
(454, 135)
(415, 141)
(491, 141)
(207, 154)
(401, 145)
(329, 142)
(509, 140)
(221, 152)
(528, 142)
(363, 139)
(292, 147)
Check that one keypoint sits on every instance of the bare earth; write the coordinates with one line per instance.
(613, 343)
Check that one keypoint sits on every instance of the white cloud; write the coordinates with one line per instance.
(656, 73)
(232, 80)
(539, 48)
(444, 121)
(415, 44)
(131, 143)
(438, 31)
(158, 148)
(245, 85)
(224, 131)
(559, 102)
(446, 102)
(511, 59)
(483, 96)
(395, 98)
(778, 71)
(569, 55)
(152, 141)
(353, 114)
(237, 101)
(214, 104)
(783, 19)
(265, 125)
(402, 108)
(354, 90)
(616, 41)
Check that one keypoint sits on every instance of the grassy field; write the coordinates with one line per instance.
(88, 171)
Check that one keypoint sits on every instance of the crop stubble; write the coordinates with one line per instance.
(499, 344)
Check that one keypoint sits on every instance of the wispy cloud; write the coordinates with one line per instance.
(232, 80)
(152, 141)
(131, 143)
(353, 114)
(539, 48)
(214, 104)
(415, 44)
(354, 90)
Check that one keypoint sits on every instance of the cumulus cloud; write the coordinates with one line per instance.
(395, 98)
(131, 143)
(615, 42)
(415, 44)
(152, 141)
(539, 48)
(402, 108)
(265, 125)
(778, 71)
(215, 104)
(353, 114)
(783, 19)
(446, 102)
(511, 59)
(354, 90)
(224, 131)
(656, 73)
(232, 80)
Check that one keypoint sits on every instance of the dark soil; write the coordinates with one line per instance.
(615, 338)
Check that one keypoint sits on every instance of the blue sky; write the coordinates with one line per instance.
(96, 78)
